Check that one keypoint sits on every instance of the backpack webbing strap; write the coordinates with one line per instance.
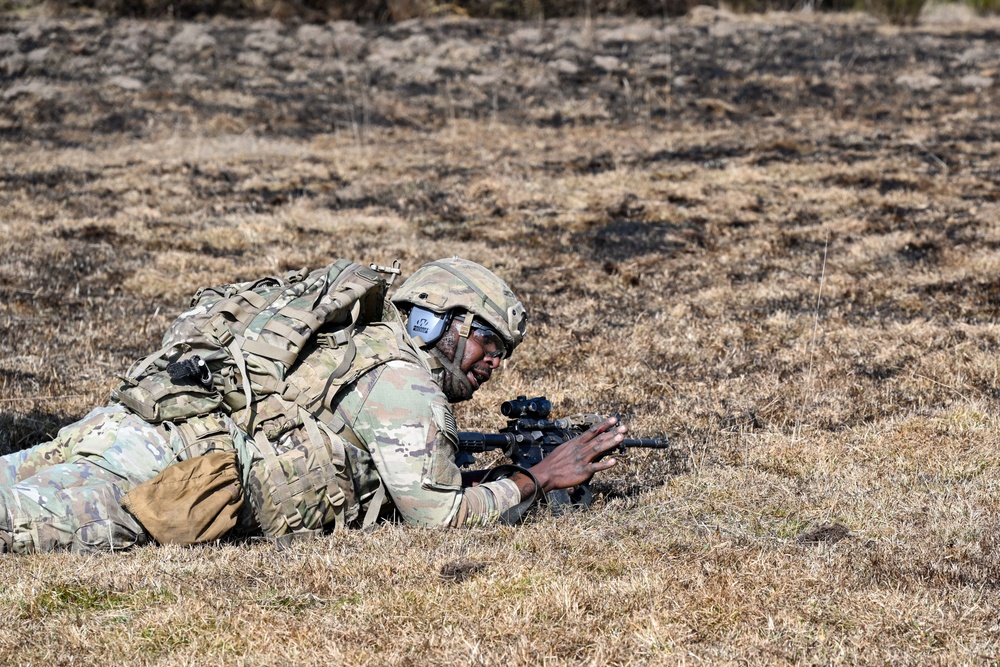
(313, 428)
(338, 373)
(289, 333)
(287, 357)
(319, 475)
(266, 450)
(254, 299)
(331, 422)
(264, 304)
(304, 316)
(352, 352)
(326, 417)
(234, 310)
(376, 501)
(347, 335)
(241, 364)
(351, 288)
(147, 362)
(374, 507)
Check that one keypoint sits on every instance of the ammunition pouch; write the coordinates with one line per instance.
(156, 397)
(301, 482)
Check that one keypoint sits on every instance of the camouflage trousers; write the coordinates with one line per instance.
(65, 494)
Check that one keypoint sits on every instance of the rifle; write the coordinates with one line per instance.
(530, 436)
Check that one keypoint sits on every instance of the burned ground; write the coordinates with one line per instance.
(771, 238)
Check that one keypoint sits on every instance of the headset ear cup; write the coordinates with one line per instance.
(427, 325)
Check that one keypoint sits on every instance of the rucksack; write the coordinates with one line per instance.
(238, 341)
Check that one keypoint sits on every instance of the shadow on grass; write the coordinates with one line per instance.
(20, 431)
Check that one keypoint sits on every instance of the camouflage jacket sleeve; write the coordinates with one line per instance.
(410, 431)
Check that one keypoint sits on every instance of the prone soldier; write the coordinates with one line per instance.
(359, 428)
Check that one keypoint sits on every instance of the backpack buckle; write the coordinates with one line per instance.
(219, 329)
(393, 270)
(293, 277)
(332, 340)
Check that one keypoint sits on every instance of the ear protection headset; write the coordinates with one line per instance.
(426, 326)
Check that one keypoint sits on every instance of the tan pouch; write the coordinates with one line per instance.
(190, 502)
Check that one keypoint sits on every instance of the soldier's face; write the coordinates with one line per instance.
(478, 363)
(479, 360)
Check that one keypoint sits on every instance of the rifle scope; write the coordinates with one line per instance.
(522, 406)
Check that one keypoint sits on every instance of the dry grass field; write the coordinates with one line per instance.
(774, 239)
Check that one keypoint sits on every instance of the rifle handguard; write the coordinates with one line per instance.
(516, 513)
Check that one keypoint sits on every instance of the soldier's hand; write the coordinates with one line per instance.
(575, 461)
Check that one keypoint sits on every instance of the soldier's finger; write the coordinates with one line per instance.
(604, 464)
(607, 441)
(603, 426)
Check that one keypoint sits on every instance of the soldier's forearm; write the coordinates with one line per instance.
(524, 484)
(483, 504)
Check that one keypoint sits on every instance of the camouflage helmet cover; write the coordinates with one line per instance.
(448, 284)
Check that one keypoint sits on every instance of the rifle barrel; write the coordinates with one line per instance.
(647, 443)
(472, 441)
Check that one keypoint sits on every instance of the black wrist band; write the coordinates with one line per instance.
(516, 513)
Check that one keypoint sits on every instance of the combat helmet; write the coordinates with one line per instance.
(449, 284)
(469, 293)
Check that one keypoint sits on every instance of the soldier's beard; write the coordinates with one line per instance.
(456, 389)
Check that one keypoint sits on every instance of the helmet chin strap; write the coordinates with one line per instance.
(453, 366)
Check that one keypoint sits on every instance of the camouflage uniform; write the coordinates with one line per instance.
(65, 494)
(397, 435)
(409, 440)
